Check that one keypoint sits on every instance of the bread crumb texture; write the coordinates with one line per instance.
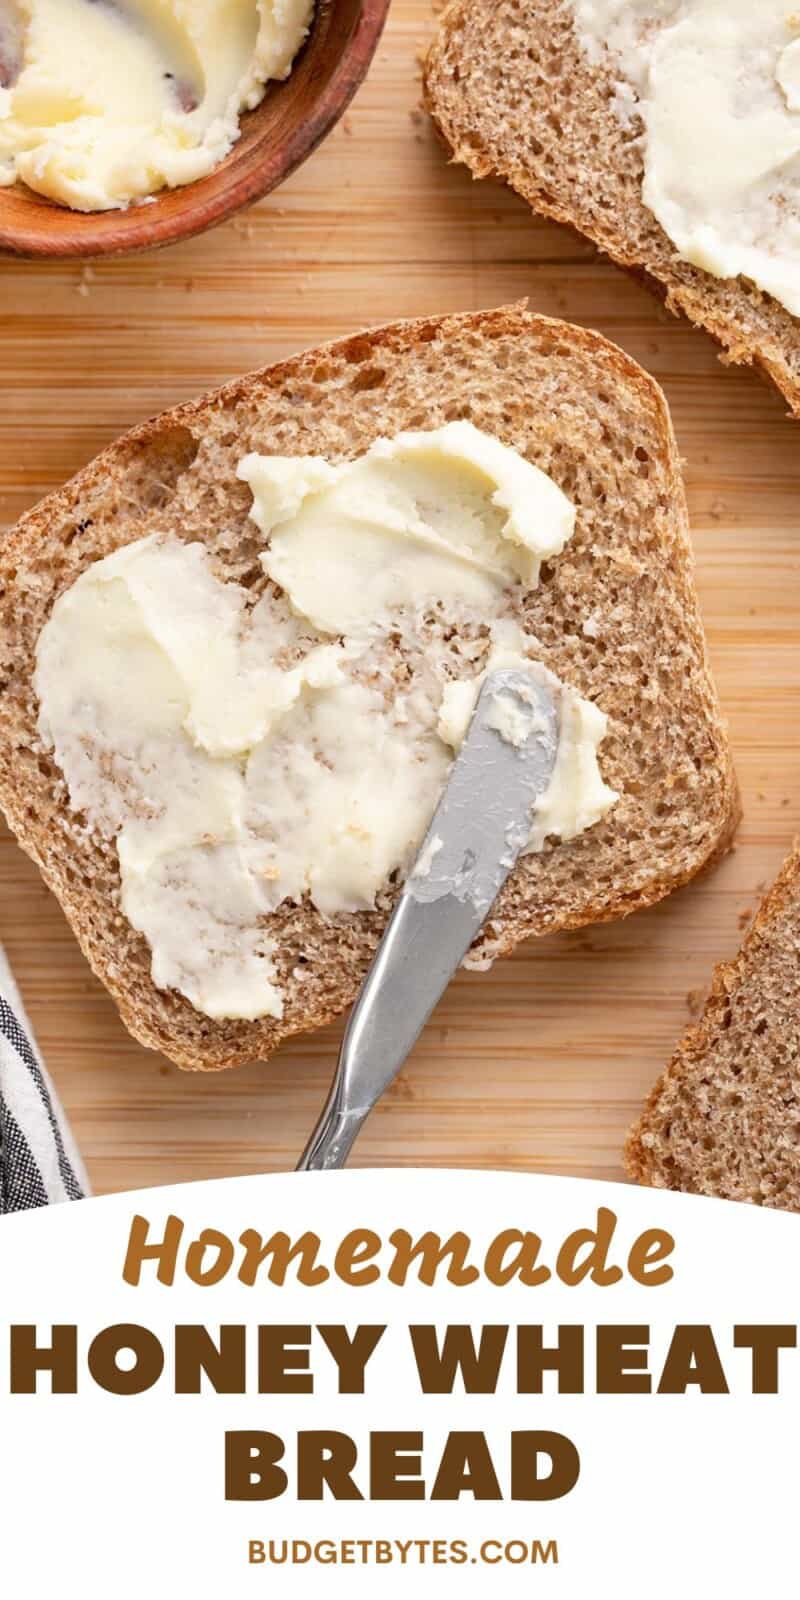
(515, 97)
(568, 401)
(725, 1117)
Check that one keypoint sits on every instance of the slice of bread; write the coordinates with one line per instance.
(515, 97)
(616, 616)
(725, 1117)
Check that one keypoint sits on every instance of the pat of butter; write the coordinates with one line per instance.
(451, 515)
(243, 756)
(108, 101)
(718, 87)
(576, 797)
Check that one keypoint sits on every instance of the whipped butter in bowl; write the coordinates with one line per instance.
(128, 124)
(252, 750)
(108, 101)
(712, 88)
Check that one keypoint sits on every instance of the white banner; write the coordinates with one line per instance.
(365, 1379)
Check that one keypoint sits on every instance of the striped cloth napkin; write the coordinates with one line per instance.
(39, 1163)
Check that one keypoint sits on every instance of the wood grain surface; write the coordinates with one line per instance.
(542, 1063)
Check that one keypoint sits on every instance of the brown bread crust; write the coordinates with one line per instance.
(724, 1119)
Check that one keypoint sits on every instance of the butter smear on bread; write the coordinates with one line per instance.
(716, 84)
(247, 750)
(103, 102)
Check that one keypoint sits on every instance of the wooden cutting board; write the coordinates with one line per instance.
(542, 1063)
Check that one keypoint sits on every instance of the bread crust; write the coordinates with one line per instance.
(588, 179)
(679, 1141)
(554, 391)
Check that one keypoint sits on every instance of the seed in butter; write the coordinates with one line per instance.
(717, 86)
(247, 755)
(103, 102)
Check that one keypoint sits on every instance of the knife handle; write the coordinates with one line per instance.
(422, 947)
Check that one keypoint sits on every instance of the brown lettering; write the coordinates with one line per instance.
(432, 1252)
(224, 1364)
(563, 1458)
(466, 1468)
(693, 1358)
(622, 1360)
(282, 1252)
(360, 1246)
(479, 1368)
(251, 1466)
(646, 1255)
(60, 1359)
(351, 1355)
(534, 1358)
(326, 1460)
(104, 1353)
(284, 1360)
(765, 1342)
(395, 1466)
(165, 1252)
(501, 1265)
(596, 1242)
(196, 1270)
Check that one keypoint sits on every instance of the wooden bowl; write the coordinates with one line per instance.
(289, 123)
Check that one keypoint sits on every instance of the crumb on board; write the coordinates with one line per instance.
(87, 277)
(694, 1002)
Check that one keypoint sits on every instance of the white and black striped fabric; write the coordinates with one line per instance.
(39, 1164)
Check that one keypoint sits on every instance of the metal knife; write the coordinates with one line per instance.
(479, 828)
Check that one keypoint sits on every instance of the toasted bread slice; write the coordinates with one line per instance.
(725, 1117)
(616, 616)
(515, 97)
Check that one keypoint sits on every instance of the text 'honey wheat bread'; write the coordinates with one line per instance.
(724, 1119)
(615, 616)
(517, 95)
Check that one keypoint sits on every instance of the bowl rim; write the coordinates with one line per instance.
(141, 230)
